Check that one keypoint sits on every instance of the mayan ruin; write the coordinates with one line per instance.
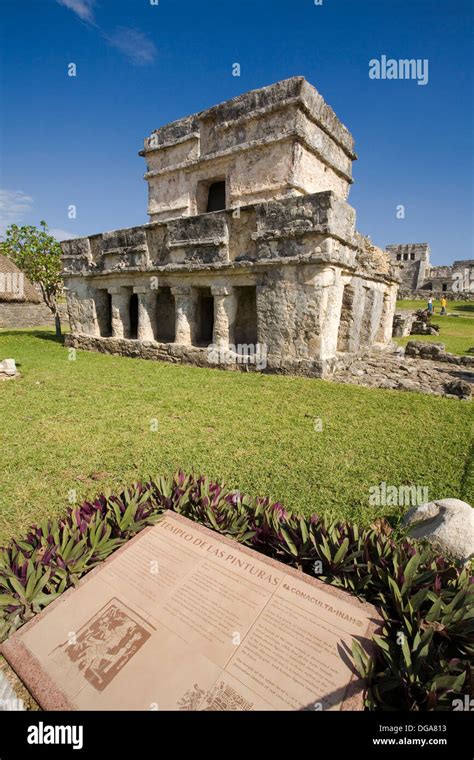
(251, 243)
(418, 275)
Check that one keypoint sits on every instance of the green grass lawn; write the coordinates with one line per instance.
(457, 333)
(86, 425)
(465, 308)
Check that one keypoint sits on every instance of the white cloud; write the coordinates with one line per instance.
(134, 44)
(62, 234)
(14, 204)
(82, 8)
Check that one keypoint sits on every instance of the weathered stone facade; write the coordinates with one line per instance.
(251, 243)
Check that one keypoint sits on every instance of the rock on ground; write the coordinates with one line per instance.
(447, 524)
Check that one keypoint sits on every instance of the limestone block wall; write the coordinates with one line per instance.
(23, 315)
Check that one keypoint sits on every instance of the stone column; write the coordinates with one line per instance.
(185, 314)
(120, 317)
(332, 287)
(385, 332)
(225, 309)
(377, 308)
(347, 316)
(358, 311)
(366, 323)
(99, 300)
(146, 312)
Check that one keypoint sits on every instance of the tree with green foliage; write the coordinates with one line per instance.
(38, 255)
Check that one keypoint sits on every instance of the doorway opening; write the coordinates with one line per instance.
(103, 308)
(165, 316)
(204, 316)
(246, 315)
(133, 313)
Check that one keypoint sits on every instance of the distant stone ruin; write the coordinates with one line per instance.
(251, 245)
(417, 274)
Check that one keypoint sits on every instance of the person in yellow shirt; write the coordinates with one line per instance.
(443, 305)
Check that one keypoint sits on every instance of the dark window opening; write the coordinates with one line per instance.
(399, 256)
(165, 316)
(133, 311)
(205, 317)
(445, 287)
(412, 256)
(405, 257)
(246, 316)
(103, 307)
(216, 197)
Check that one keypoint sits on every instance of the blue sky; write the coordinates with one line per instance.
(69, 140)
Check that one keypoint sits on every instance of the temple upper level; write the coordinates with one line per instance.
(275, 142)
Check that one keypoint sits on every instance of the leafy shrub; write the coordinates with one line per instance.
(423, 658)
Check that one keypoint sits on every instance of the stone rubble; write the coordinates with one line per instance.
(402, 324)
(395, 371)
(436, 351)
(413, 323)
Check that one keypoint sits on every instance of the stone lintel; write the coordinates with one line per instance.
(116, 290)
(141, 289)
(181, 290)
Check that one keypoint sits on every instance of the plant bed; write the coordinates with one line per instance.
(422, 659)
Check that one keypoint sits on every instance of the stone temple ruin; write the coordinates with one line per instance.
(251, 246)
(417, 274)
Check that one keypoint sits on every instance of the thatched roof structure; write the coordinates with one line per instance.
(14, 286)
